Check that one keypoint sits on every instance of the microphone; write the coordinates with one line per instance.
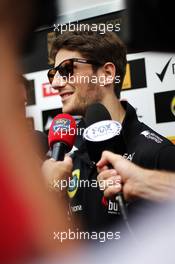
(62, 135)
(101, 134)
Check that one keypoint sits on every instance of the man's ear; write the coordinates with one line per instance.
(109, 72)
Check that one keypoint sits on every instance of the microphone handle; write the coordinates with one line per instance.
(119, 198)
(59, 150)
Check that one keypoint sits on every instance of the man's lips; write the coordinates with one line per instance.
(65, 95)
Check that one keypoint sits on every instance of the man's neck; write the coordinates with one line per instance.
(114, 107)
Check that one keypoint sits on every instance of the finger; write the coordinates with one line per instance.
(68, 162)
(52, 159)
(112, 191)
(102, 169)
(106, 174)
(112, 181)
(108, 157)
(68, 159)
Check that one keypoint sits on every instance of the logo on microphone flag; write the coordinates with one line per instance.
(102, 130)
(61, 124)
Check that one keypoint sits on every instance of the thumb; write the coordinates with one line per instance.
(108, 157)
(68, 161)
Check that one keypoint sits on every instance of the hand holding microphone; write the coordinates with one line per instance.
(56, 173)
(62, 135)
(120, 174)
(136, 182)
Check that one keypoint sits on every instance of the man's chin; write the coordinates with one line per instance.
(72, 111)
(67, 110)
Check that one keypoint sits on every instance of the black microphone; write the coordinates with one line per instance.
(101, 134)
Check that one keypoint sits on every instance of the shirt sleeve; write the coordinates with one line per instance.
(166, 159)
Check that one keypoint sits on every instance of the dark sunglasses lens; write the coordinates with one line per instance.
(51, 74)
(66, 69)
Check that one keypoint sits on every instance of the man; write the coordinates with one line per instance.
(102, 58)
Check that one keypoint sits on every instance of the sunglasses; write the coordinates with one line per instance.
(66, 68)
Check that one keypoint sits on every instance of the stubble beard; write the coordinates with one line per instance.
(82, 101)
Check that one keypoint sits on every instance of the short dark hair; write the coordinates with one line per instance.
(92, 45)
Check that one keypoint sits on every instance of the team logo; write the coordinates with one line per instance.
(76, 208)
(129, 156)
(73, 184)
(112, 206)
(152, 136)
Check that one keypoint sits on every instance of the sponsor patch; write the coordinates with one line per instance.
(152, 136)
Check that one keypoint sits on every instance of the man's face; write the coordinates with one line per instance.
(77, 93)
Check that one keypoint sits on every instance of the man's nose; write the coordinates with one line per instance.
(58, 81)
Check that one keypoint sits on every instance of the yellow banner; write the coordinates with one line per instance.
(127, 79)
(172, 139)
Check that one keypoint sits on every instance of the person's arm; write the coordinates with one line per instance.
(135, 181)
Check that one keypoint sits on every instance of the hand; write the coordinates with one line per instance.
(109, 182)
(57, 173)
(126, 176)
